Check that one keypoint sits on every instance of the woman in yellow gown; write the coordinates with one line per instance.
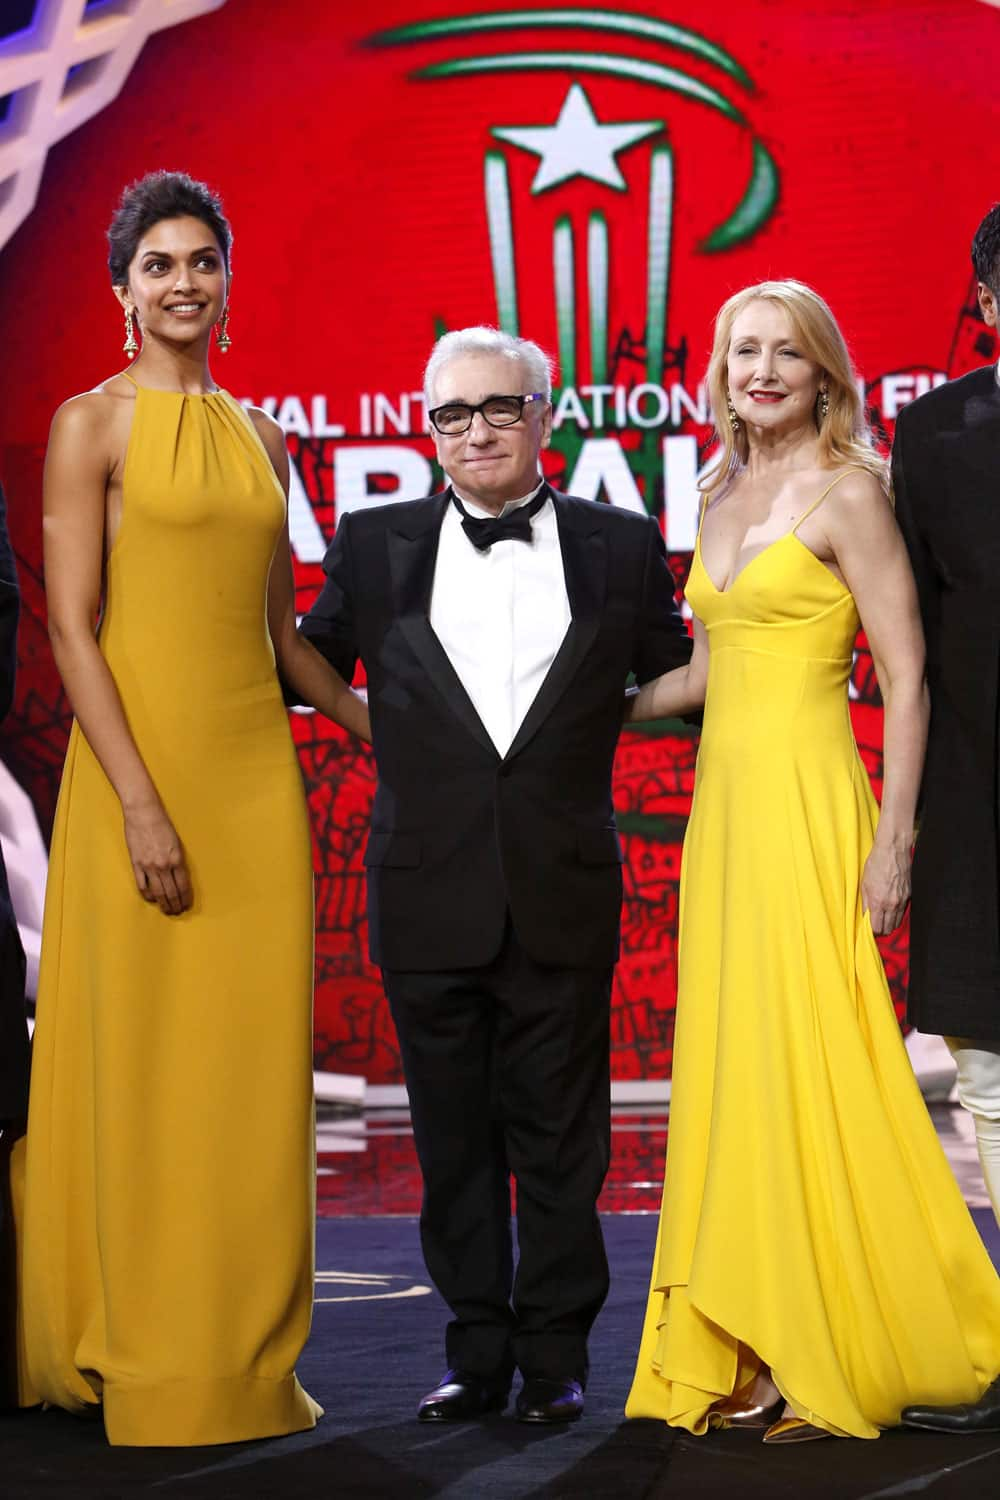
(816, 1269)
(167, 1241)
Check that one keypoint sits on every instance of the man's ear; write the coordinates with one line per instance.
(988, 305)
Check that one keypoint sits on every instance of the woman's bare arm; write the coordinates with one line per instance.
(681, 691)
(77, 469)
(309, 674)
(871, 554)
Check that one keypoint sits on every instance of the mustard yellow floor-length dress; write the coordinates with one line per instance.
(810, 1219)
(167, 1264)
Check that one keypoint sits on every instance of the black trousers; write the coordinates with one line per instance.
(507, 1069)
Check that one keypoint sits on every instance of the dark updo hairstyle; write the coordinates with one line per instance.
(986, 251)
(157, 196)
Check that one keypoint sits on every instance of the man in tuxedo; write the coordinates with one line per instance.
(946, 479)
(497, 622)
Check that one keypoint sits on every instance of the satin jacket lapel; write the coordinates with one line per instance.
(413, 545)
(585, 565)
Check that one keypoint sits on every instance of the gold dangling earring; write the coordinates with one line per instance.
(824, 405)
(222, 338)
(131, 344)
(734, 420)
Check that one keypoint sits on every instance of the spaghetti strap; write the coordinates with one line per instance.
(855, 469)
(125, 375)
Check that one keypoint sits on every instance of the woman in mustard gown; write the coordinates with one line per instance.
(816, 1269)
(167, 1262)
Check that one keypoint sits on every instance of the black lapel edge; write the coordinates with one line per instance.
(585, 567)
(412, 546)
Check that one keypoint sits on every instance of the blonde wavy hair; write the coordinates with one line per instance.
(845, 438)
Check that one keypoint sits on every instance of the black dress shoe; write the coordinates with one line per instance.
(979, 1416)
(460, 1397)
(543, 1400)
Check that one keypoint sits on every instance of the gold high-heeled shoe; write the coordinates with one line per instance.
(794, 1430)
(762, 1414)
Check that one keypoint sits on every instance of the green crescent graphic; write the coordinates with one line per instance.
(587, 62)
(628, 24)
(761, 194)
(755, 207)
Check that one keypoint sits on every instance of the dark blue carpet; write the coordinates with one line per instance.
(375, 1350)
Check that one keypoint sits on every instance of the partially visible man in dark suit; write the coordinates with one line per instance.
(13, 1028)
(946, 480)
(497, 622)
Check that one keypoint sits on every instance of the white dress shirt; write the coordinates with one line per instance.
(500, 614)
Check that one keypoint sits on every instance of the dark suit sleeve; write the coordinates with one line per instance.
(9, 610)
(905, 491)
(331, 623)
(661, 641)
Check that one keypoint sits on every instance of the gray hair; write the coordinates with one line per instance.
(485, 340)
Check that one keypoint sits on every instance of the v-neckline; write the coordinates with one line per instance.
(739, 574)
(791, 532)
(793, 535)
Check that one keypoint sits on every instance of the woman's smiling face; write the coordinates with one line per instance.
(773, 384)
(177, 281)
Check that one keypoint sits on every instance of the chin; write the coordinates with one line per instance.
(772, 418)
(188, 333)
(485, 479)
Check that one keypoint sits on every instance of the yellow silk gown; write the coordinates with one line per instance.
(810, 1219)
(167, 1262)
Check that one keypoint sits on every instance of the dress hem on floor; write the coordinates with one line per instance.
(196, 1413)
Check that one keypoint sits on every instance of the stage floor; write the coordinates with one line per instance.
(376, 1347)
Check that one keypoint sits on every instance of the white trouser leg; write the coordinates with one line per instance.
(979, 1092)
(933, 1064)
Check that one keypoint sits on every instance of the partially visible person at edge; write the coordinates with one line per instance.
(945, 471)
(168, 1217)
(817, 1269)
(13, 1025)
(498, 622)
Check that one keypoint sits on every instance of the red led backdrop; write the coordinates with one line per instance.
(598, 180)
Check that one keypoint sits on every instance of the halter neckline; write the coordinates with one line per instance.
(157, 391)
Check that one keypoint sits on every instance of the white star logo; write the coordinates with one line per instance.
(576, 145)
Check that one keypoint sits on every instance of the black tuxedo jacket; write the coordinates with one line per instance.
(946, 481)
(461, 834)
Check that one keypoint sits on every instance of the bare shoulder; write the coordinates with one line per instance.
(268, 430)
(856, 498)
(273, 438)
(93, 415)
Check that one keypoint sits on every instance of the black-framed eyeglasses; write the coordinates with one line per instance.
(499, 411)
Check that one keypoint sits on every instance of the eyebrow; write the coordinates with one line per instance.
(493, 396)
(165, 254)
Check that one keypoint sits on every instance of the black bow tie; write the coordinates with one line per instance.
(515, 524)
